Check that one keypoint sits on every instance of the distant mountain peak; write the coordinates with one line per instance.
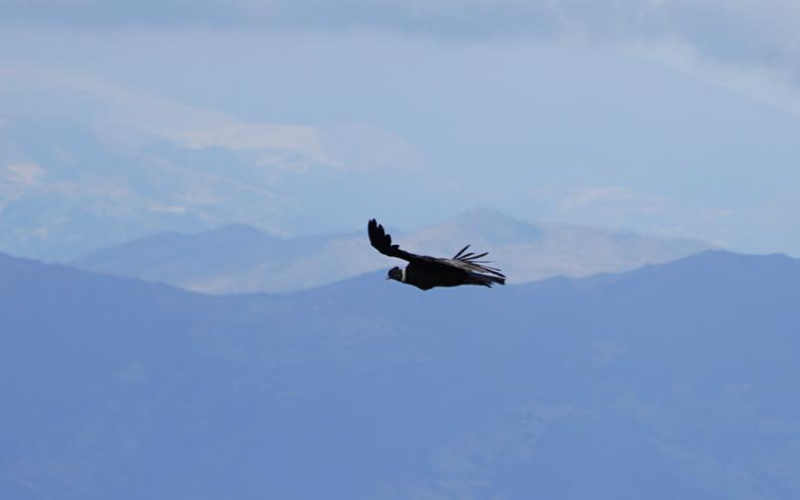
(486, 215)
(488, 226)
(238, 230)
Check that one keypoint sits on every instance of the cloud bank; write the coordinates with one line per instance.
(759, 32)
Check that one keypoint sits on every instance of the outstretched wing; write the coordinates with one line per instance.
(383, 242)
(465, 262)
(469, 262)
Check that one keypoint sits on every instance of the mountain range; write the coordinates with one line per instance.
(242, 259)
(669, 381)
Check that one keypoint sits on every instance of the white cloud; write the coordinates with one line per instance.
(22, 175)
(620, 208)
(583, 197)
(758, 31)
(773, 85)
(41, 233)
(127, 116)
(167, 209)
(16, 179)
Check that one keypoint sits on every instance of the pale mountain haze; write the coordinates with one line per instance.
(240, 259)
(199, 298)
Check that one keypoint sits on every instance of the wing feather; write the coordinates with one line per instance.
(460, 252)
(382, 242)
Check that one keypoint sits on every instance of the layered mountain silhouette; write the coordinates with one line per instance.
(240, 259)
(670, 381)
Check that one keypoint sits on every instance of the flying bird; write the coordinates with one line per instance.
(426, 272)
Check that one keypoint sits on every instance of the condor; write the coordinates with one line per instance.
(426, 272)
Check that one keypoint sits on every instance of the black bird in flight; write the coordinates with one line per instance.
(426, 272)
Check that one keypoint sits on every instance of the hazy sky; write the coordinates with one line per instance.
(673, 117)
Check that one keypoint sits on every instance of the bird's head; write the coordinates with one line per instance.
(395, 273)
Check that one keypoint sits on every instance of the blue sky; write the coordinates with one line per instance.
(674, 118)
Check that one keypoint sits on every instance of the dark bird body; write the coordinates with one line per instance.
(426, 272)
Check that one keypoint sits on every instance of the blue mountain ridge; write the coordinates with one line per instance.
(671, 381)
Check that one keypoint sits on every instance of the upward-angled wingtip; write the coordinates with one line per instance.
(378, 237)
(374, 230)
